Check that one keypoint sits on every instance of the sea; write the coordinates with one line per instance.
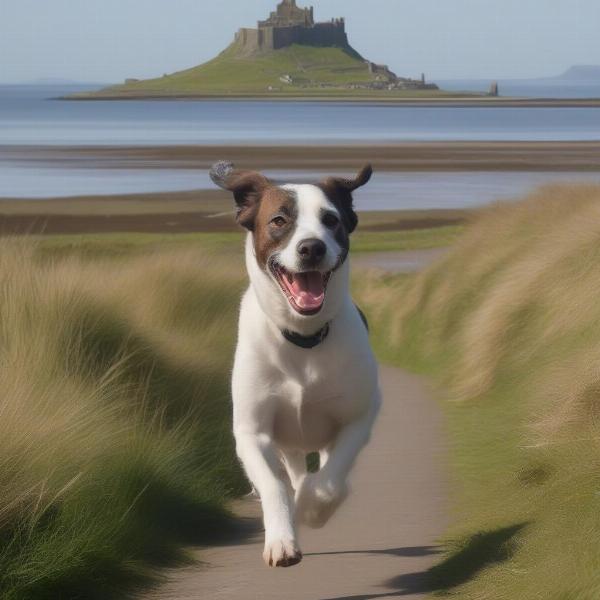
(550, 87)
(33, 115)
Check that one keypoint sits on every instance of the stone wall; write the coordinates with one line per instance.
(322, 34)
(325, 34)
(248, 38)
(275, 38)
(382, 71)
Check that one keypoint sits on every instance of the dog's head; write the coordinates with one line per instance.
(300, 233)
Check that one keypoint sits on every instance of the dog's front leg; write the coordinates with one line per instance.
(264, 469)
(321, 493)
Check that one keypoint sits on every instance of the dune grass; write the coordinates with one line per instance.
(114, 419)
(409, 239)
(509, 325)
(115, 449)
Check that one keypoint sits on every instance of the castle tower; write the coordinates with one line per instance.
(290, 24)
(288, 14)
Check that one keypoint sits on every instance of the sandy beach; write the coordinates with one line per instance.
(418, 156)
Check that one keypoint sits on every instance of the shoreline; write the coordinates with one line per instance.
(396, 157)
(449, 101)
(211, 211)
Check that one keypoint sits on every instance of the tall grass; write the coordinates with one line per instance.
(114, 416)
(510, 325)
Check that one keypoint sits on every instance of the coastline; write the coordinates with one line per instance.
(401, 157)
(198, 211)
(445, 101)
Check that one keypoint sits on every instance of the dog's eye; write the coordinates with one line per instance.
(278, 221)
(330, 220)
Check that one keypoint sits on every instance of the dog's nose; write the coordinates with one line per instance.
(311, 250)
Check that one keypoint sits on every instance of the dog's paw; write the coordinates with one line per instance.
(282, 553)
(317, 499)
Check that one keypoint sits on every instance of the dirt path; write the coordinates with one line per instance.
(378, 545)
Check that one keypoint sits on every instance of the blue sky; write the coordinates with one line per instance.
(108, 40)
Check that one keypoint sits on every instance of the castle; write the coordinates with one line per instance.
(289, 24)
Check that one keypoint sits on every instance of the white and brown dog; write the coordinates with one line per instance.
(305, 378)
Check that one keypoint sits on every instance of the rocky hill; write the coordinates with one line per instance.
(289, 54)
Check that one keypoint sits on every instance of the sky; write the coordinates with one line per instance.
(109, 40)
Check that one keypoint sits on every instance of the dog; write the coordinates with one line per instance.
(304, 378)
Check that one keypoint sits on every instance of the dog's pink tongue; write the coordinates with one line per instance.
(308, 289)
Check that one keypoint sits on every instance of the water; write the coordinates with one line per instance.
(408, 191)
(386, 191)
(529, 88)
(27, 117)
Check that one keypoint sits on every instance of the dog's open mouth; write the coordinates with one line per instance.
(304, 291)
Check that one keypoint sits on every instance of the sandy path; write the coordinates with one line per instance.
(380, 542)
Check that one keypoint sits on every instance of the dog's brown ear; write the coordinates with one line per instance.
(339, 191)
(247, 188)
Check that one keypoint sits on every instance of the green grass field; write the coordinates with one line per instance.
(232, 74)
(231, 244)
(509, 327)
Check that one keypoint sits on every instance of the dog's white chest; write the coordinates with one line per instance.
(312, 408)
(306, 417)
(303, 428)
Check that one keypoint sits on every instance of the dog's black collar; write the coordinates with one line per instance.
(311, 341)
(306, 341)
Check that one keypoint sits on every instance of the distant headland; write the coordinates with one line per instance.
(581, 73)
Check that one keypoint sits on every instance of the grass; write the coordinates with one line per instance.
(118, 245)
(114, 421)
(509, 325)
(115, 445)
(231, 73)
(410, 239)
(229, 244)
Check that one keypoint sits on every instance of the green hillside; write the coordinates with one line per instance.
(312, 70)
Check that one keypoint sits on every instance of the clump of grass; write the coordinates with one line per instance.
(408, 239)
(509, 323)
(114, 416)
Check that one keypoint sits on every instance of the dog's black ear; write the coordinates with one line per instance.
(247, 188)
(362, 178)
(339, 191)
